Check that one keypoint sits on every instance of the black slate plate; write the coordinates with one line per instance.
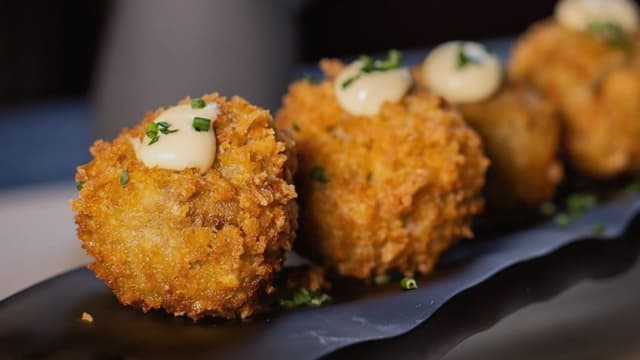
(44, 320)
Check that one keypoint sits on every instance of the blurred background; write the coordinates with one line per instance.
(73, 71)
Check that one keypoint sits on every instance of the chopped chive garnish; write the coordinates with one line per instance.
(548, 208)
(632, 189)
(79, 185)
(612, 33)
(201, 124)
(164, 128)
(350, 81)
(578, 203)
(381, 279)
(124, 177)
(319, 299)
(198, 103)
(303, 297)
(597, 229)
(408, 283)
(393, 61)
(154, 140)
(317, 174)
(152, 130)
(310, 79)
(295, 127)
(562, 220)
(464, 59)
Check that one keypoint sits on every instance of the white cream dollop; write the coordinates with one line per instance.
(579, 14)
(366, 94)
(475, 80)
(186, 148)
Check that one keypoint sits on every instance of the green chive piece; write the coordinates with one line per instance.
(154, 140)
(201, 124)
(597, 229)
(198, 103)
(350, 81)
(578, 203)
(611, 33)
(164, 128)
(381, 279)
(124, 177)
(464, 59)
(632, 189)
(562, 220)
(317, 174)
(393, 61)
(303, 297)
(408, 283)
(310, 79)
(295, 127)
(166, 131)
(152, 130)
(548, 208)
(79, 185)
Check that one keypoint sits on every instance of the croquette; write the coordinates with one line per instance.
(192, 243)
(389, 191)
(521, 132)
(595, 87)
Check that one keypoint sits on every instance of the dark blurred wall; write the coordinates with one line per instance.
(339, 28)
(47, 48)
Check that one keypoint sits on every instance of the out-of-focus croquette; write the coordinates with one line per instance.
(595, 86)
(193, 244)
(521, 134)
(383, 192)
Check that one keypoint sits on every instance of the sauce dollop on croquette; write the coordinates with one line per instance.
(462, 72)
(181, 137)
(583, 15)
(363, 93)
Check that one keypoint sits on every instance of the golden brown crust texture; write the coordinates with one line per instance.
(191, 243)
(402, 185)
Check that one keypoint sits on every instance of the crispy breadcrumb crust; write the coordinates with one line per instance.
(402, 185)
(193, 244)
(596, 88)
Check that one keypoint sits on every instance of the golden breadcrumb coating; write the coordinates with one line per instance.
(391, 191)
(520, 131)
(596, 89)
(190, 243)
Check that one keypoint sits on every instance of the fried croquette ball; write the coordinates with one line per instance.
(519, 128)
(193, 243)
(520, 131)
(389, 191)
(594, 86)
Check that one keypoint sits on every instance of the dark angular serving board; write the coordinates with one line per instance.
(44, 320)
